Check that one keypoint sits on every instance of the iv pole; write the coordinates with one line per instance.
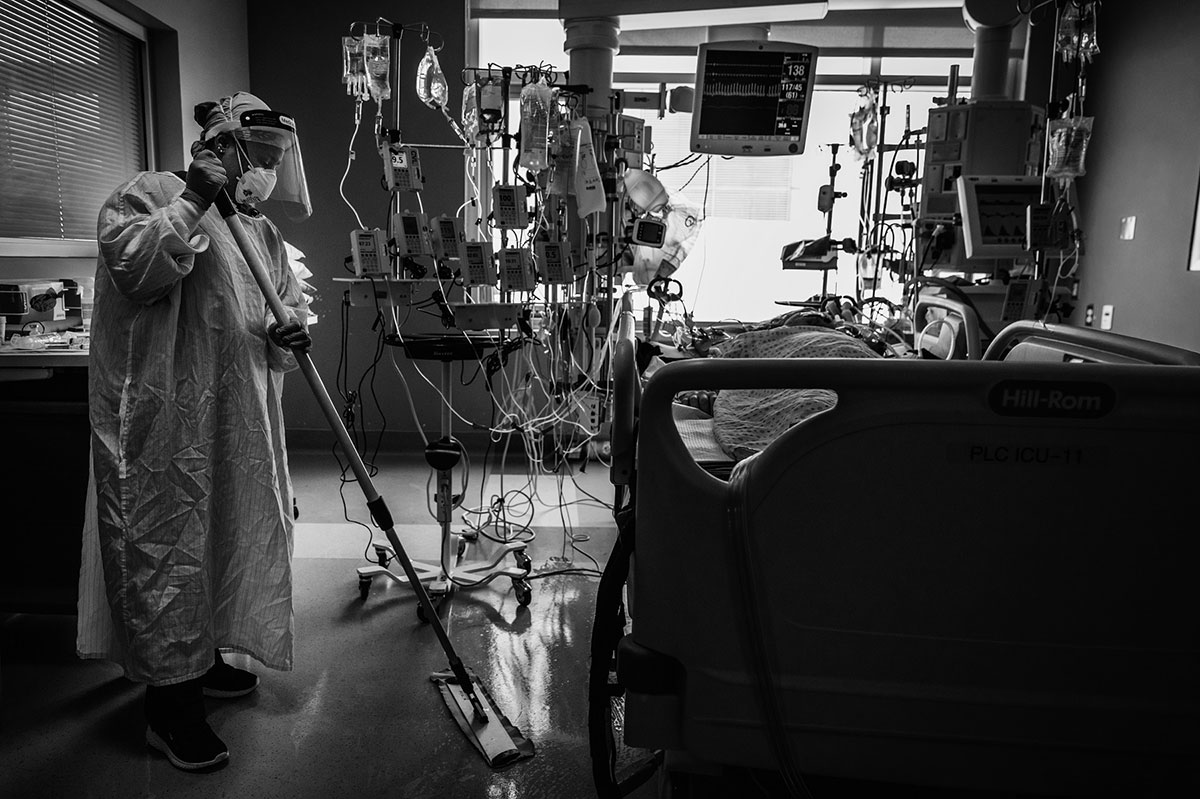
(826, 200)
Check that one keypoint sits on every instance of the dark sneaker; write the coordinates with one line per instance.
(191, 747)
(223, 681)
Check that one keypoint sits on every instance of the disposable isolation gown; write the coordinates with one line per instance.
(193, 498)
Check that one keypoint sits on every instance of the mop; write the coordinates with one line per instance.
(500, 743)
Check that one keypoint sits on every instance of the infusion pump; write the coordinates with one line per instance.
(412, 235)
(368, 250)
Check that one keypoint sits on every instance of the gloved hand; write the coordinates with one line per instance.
(289, 336)
(205, 177)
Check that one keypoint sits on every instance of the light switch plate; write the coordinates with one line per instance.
(1128, 227)
(1106, 316)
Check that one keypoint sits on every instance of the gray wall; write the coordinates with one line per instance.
(200, 52)
(1144, 161)
(295, 66)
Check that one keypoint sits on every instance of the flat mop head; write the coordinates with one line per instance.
(500, 743)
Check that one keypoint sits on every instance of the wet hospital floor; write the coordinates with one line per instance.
(358, 716)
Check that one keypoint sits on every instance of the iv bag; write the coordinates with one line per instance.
(1089, 47)
(431, 81)
(354, 70)
(377, 53)
(589, 188)
(562, 166)
(1068, 148)
(1076, 35)
(864, 126)
(535, 126)
(491, 100)
(470, 114)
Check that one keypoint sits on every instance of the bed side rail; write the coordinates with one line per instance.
(1028, 340)
(968, 328)
(876, 386)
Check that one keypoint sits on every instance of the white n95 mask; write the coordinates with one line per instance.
(255, 185)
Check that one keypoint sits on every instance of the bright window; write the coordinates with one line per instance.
(757, 205)
(752, 207)
(72, 117)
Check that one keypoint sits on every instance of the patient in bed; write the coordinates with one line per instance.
(733, 424)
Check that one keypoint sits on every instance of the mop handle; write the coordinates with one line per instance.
(282, 315)
(378, 508)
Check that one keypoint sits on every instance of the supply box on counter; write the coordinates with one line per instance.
(47, 301)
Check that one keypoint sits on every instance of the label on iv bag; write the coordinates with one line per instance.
(589, 189)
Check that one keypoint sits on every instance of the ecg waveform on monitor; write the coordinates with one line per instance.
(742, 80)
(754, 94)
(743, 84)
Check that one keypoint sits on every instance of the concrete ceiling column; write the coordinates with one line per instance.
(591, 43)
(735, 33)
(992, 22)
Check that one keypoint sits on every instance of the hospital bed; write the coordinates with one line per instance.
(972, 575)
(1041, 342)
(947, 328)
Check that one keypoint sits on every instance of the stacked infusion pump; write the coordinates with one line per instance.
(986, 137)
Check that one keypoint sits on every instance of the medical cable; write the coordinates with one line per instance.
(349, 160)
(707, 162)
(353, 398)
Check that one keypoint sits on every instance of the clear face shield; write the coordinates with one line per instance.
(267, 141)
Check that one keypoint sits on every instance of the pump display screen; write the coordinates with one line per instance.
(753, 98)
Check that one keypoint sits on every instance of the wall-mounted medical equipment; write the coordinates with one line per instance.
(995, 214)
(994, 137)
(368, 250)
(753, 97)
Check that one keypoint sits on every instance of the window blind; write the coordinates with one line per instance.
(72, 118)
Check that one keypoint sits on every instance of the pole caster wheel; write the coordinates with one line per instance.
(523, 561)
(524, 592)
(381, 556)
(364, 588)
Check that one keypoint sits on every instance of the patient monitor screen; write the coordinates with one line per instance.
(994, 213)
(752, 98)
